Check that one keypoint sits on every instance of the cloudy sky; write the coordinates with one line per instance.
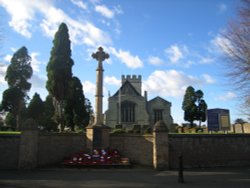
(172, 44)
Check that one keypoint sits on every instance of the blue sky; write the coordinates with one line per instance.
(172, 44)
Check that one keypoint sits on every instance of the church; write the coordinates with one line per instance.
(128, 108)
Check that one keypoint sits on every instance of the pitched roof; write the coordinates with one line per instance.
(159, 99)
(127, 84)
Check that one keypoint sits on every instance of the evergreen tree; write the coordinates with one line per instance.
(17, 75)
(89, 111)
(35, 108)
(48, 119)
(10, 120)
(59, 71)
(189, 105)
(194, 106)
(75, 111)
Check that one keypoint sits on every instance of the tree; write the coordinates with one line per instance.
(75, 111)
(189, 105)
(236, 49)
(48, 119)
(17, 75)
(201, 115)
(10, 120)
(194, 106)
(89, 110)
(35, 108)
(59, 71)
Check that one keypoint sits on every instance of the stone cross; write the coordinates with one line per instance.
(100, 56)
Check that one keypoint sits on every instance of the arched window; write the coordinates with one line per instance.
(127, 111)
(158, 115)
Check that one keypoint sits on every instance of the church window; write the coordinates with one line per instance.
(128, 111)
(158, 115)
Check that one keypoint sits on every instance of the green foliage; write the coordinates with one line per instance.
(17, 75)
(189, 106)
(12, 98)
(48, 122)
(75, 111)
(10, 120)
(35, 108)
(59, 71)
(20, 70)
(194, 106)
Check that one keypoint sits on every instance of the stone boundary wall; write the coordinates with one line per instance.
(9, 151)
(198, 150)
(53, 147)
(138, 148)
(209, 150)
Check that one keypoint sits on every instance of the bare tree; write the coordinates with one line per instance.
(236, 48)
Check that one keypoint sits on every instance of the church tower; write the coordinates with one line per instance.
(134, 80)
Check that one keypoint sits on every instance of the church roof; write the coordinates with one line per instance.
(159, 99)
(129, 87)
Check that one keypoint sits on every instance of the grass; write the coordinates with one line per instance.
(10, 132)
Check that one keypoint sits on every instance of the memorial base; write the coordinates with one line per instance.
(97, 137)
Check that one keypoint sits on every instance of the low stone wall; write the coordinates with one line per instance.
(9, 151)
(209, 150)
(198, 150)
(138, 148)
(53, 147)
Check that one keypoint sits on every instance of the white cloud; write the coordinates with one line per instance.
(23, 12)
(80, 32)
(175, 53)
(206, 60)
(38, 81)
(221, 44)
(222, 7)
(128, 59)
(169, 82)
(7, 58)
(20, 16)
(3, 69)
(103, 10)
(226, 96)
(88, 87)
(80, 4)
(208, 79)
(35, 63)
(155, 60)
(111, 80)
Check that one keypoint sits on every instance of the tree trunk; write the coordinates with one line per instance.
(59, 111)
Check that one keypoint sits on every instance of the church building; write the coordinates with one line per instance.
(128, 107)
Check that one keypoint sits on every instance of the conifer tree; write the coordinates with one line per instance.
(75, 111)
(59, 72)
(35, 108)
(17, 75)
(194, 106)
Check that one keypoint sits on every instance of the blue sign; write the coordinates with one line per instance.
(213, 123)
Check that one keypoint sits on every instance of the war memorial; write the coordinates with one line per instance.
(98, 146)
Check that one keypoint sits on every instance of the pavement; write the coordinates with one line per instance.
(122, 178)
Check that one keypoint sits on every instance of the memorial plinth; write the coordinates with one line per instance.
(98, 133)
